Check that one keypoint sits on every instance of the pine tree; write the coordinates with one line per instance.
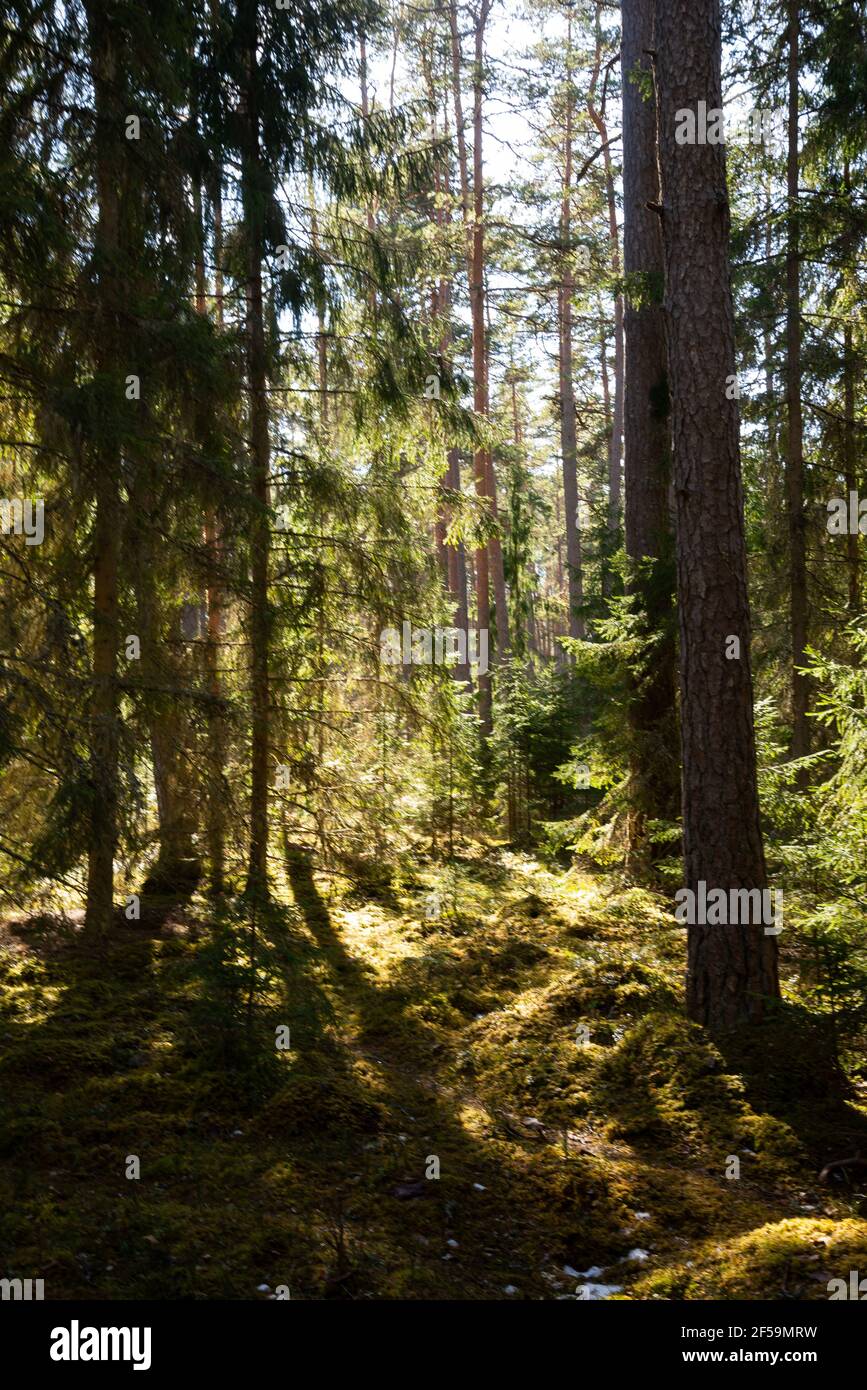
(732, 970)
(647, 442)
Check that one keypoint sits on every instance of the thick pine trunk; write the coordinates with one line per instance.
(569, 454)
(456, 563)
(850, 453)
(216, 820)
(215, 596)
(794, 415)
(104, 731)
(457, 566)
(487, 564)
(177, 863)
(568, 426)
(453, 559)
(480, 337)
(253, 176)
(647, 444)
(165, 678)
(732, 970)
(850, 471)
(615, 439)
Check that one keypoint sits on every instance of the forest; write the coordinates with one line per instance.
(433, 718)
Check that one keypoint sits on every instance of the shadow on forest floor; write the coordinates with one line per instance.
(432, 1131)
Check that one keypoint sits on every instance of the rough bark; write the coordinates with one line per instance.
(252, 182)
(647, 444)
(568, 425)
(103, 726)
(456, 566)
(472, 202)
(850, 454)
(794, 416)
(454, 558)
(615, 441)
(480, 336)
(215, 597)
(732, 970)
(850, 471)
(165, 680)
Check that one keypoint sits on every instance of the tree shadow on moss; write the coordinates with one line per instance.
(790, 1070)
(394, 1198)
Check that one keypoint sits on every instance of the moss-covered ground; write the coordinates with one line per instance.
(490, 1092)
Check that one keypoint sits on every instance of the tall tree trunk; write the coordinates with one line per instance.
(568, 425)
(732, 970)
(850, 470)
(481, 567)
(216, 829)
(166, 669)
(480, 336)
(472, 202)
(215, 598)
(615, 443)
(457, 564)
(104, 731)
(647, 444)
(772, 473)
(794, 421)
(165, 679)
(850, 463)
(252, 188)
(457, 560)
(453, 556)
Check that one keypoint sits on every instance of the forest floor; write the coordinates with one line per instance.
(500, 1101)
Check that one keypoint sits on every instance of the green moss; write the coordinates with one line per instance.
(318, 1102)
(532, 1039)
(795, 1258)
